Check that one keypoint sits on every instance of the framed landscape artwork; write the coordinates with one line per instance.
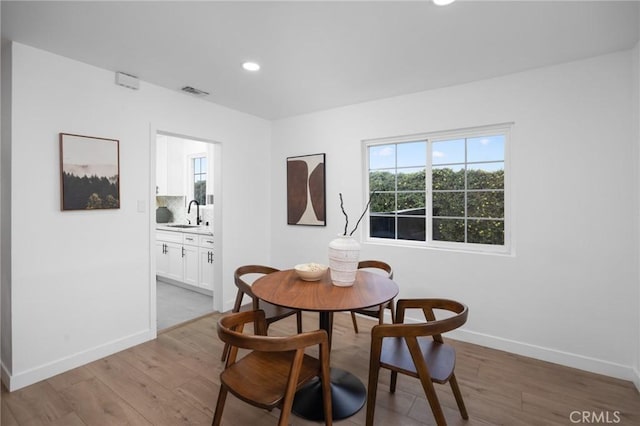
(306, 203)
(89, 172)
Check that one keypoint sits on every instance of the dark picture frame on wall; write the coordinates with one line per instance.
(306, 194)
(89, 172)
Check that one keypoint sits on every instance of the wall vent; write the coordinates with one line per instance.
(194, 91)
(127, 80)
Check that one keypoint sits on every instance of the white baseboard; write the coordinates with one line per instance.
(5, 376)
(555, 356)
(581, 362)
(25, 378)
(636, 378)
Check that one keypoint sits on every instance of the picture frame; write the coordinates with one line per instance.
(89, 172)
(306, 193)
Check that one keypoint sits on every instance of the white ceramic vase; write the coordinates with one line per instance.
(344, 253)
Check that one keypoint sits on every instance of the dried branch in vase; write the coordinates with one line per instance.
(346, 217)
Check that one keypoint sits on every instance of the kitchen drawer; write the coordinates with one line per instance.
(206, 241)
(190, 239)
(168, 236)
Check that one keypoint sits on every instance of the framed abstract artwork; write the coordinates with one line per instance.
(89, 172)
(306, 197)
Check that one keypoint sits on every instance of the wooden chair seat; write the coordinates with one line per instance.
(273, 312)
(266, 389)
(371, 310)
(440, 357)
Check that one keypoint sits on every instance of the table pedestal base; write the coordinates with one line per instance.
(348, 396)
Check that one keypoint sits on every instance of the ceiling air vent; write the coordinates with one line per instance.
(194, 91)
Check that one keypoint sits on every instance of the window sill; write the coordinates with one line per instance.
(484, 250)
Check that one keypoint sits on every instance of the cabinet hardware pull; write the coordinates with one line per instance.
(182, 251)
(210, 242)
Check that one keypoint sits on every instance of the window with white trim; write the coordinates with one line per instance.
(443, 189)
(198, 177)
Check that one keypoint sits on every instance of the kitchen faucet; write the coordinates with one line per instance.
(198, 220)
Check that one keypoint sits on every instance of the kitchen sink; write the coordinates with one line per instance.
(183, 226)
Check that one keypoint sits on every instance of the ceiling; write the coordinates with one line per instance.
(320, 55)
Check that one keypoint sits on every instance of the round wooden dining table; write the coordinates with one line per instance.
(285, 288)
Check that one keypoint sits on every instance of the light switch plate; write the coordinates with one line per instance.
(142, 206)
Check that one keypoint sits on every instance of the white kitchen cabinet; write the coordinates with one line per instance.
(169, 263)
(185, 257)
(205, 255)
(161, 165)
(173, 252)
(170, 166)
(162, 261)
(190, 259)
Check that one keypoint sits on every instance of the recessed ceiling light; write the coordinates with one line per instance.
(442, 2)
(251, 66)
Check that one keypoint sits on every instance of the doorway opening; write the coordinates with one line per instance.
(185, 252)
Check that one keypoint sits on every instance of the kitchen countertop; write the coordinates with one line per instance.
(200, 230)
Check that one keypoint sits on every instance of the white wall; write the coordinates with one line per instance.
(636, 135)
(81, 282)
(5, 197)
(569, 294)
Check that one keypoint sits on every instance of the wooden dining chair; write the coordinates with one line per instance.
(269, 375)
(378, 310)
(272, 312)
(417, 350)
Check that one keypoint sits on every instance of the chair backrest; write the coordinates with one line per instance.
(433, 327)
(231, 326)
(376, 264)
(243, 285)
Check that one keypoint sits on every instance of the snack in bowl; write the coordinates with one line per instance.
(310, 271)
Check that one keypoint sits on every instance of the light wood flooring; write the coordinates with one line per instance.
(173, 380)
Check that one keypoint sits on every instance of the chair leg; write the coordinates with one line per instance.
(355, 322)
(284, 418)
(432, 397)
(394, 381)
(372, 389)
(222, 396)
(299, 321)
(458, 395)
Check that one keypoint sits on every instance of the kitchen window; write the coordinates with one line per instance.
(199, 178)
(447, 190)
